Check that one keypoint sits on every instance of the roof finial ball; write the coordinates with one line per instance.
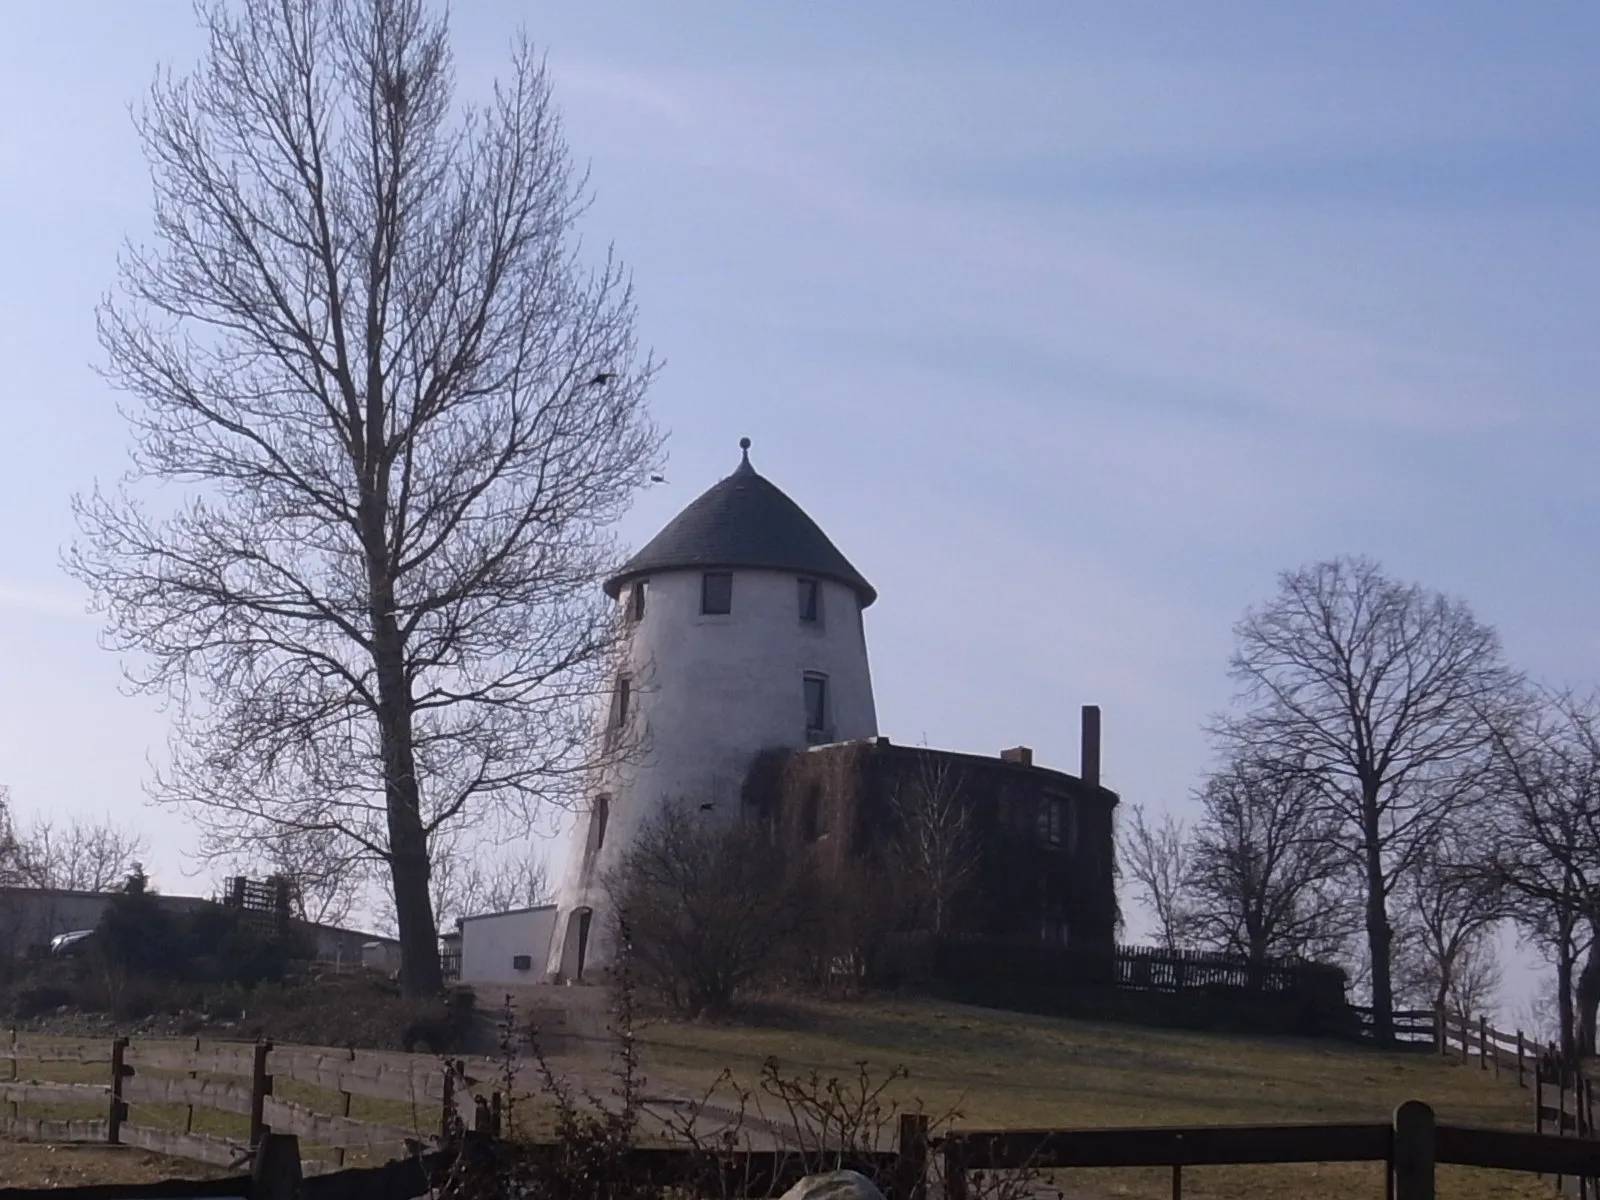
(744, 445)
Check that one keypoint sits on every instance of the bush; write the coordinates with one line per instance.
(704, 910)
(39, 999)
(136, 935)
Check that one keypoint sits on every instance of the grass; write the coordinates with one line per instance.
(1002, 1070)
(998, 1070)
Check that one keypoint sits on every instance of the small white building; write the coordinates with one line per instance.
(507, 947)
(745, 634)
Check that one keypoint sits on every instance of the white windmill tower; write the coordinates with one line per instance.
(745, 633)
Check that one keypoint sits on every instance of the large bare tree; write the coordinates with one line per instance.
(385, 412)
(1384, 691)
(1264, 878)
(1544, 840)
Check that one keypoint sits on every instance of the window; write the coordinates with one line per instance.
(636, 600)
(816, 692)
(1054, 821)
(810, 602)
(620, 704)
(599, 815)
(716, 593)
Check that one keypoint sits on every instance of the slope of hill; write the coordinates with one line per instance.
(1004, 1070)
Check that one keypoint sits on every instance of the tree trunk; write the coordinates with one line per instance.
(1588, 1001)
(1379, 936)
(1569, 1042)
(421, 972)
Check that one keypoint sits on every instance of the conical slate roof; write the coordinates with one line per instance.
(743, 521)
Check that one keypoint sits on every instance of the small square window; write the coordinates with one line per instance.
(810, 602)
(636, 600)
(716, 593)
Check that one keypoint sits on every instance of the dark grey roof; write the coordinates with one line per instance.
(743, 521)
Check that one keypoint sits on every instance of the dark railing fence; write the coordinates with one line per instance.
(1410, 1145)
(1177, 970)
(1140, 968)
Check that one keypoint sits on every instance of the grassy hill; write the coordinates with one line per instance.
(1008, 1070)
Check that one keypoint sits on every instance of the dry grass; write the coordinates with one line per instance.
(1002, 1070)
(24, 1166)
(998, 1070)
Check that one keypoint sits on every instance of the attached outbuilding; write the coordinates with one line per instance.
(507, 947)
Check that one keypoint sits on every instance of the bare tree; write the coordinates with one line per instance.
(703, 909)
(1545, 837)
(1450, 908)
(477, 877)
(78, 855)
(10, 857)
(390, 416)
(1157, 858)
(1382, 690)
(1264, 877)
(935, 843)
(327, 874)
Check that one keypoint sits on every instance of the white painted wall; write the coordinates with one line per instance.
(491, 942)
(710, 692)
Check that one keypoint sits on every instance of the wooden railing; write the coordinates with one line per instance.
(1505, 1052)
(149, 1092)
(1412, 1027)
(1411, 1145)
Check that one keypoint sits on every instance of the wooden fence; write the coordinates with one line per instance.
(1410, 1145)
(1413, 1028)
(175, 1080)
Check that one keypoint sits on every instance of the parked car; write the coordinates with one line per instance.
(68, 945)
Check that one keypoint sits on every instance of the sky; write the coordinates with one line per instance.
(1071, 324)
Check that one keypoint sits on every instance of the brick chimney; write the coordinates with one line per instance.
(1018, 754)
(1090, 771)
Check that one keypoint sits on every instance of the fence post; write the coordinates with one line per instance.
(1466, 1038)
(1412, 1162)
(344, 1111)
(911, 1160)
(275, 1172)
(16, 1110)
(1441, 1031)
(1483, 1042)
(955, 1169)
(260, 1089)
(119, 1111)
(447, 1119)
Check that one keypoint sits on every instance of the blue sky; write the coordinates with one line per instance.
(1071, 324)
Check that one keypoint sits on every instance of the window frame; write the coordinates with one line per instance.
(705, 593)
(622, 697)
(825, 706)
(809, 588)
(638, 593)
(1053, 820)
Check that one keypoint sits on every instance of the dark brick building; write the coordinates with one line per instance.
(1040, 841)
